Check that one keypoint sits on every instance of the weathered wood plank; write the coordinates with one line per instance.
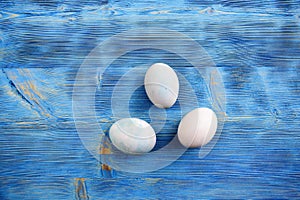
(256, 47)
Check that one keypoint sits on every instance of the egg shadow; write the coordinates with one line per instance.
(163, 121)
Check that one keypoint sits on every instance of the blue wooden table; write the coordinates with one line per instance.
(256, 51)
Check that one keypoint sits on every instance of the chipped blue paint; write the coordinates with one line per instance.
(255, 45)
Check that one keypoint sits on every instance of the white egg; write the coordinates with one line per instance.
(132, 136)
(161, 85)
(197, 127)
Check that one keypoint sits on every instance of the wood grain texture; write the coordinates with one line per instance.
(255, 45)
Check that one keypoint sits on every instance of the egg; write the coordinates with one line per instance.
(132, 136)
(197, 127)
(161, 85)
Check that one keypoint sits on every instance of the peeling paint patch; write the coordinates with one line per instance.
(106, 167)
(80, 189)
(105, 149)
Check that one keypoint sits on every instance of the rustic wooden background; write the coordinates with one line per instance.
(255, 46)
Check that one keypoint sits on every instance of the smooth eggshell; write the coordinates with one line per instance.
(161, 85)
(132, 136)
(197, 127)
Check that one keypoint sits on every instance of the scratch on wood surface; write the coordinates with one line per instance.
(8, 15)
(217, 92)
(240, 118)
(153, 180)
(80, 189)
(23, 82)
